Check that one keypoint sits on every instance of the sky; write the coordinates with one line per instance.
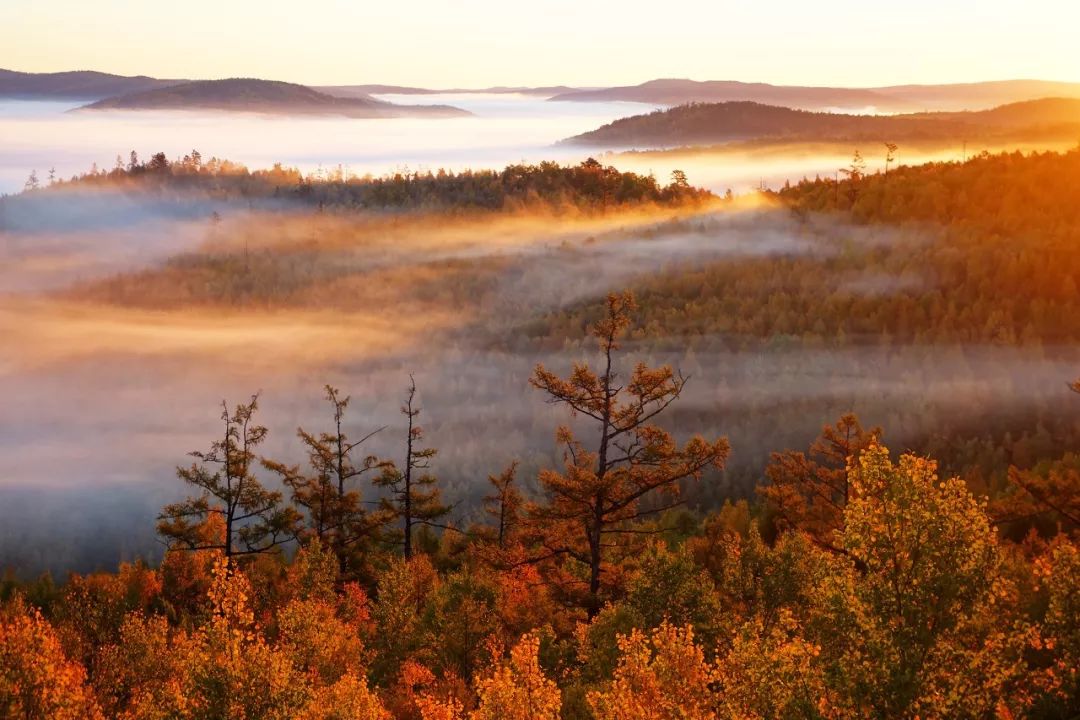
(473, 43)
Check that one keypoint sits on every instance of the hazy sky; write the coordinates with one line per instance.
(577, 42)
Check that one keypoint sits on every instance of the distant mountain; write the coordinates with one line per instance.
(363, 90)
(715, 123)
(898, 98)
(265, 96)
(979, 96)
(678, 92)
(74, 85)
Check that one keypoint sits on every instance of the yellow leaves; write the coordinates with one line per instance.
(347, 699)
(664, 675)
(519, 690)
(317, 641)
(37, 681)
(773, 671)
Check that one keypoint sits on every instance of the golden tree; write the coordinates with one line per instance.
(37, 681)
(771, 671)
(519, 690)
(909, 618)
(599, 492)
(230, 669)
(664, 675)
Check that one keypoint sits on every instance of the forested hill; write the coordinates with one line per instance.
(1001, 267)
(705, 123)
(586, 187)
(263, 96)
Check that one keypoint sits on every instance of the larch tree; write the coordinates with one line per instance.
(504, 505)
(414, 493)
(598, 494)
(809, 491)
(334, 508)
(253, 519)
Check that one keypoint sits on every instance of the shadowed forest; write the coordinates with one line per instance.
(552, 441)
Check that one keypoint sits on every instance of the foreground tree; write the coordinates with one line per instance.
(519, 690)
(253, 518)
(334, 509)
(599, 492)
(916, 623)
(414, 495)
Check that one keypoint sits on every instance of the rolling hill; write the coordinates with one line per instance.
(264, 96)
(75, 85)
(714, 123)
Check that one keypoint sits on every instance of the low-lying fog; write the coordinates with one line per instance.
(114, 359)
(504, 129)
(125, 321)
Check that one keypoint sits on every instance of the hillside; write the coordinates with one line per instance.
(75, 85)
(897, 98)
(701, 123)
(264, 96)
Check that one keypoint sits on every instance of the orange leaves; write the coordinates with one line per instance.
(347, 699)
(36, 679)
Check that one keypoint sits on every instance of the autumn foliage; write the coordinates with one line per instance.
(865, 585)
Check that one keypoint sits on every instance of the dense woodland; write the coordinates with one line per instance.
(854, 583)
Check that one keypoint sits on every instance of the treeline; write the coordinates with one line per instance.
(859, 586)
(588, 186)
